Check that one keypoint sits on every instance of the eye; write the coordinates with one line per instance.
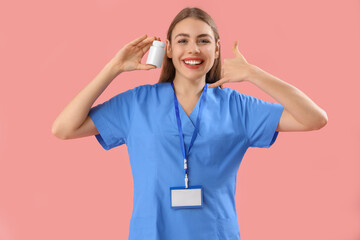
(204, 40)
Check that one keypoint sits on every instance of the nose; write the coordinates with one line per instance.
(193, 48)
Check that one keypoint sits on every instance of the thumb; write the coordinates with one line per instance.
(237, 52)
(146, 66)
(236, 49)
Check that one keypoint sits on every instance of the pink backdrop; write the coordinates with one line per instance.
(306, 186)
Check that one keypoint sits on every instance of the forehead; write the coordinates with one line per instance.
(192, 27)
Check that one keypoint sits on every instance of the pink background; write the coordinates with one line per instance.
(306, 186)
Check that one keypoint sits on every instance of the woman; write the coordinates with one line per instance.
(214, 127)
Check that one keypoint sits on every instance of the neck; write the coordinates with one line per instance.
(188, 89)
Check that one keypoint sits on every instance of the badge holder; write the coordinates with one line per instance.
(188, 196)
(191, 197)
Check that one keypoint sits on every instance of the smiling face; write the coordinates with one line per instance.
(192, 38)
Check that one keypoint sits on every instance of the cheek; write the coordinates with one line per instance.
(210, 55)
(176, 54)
(209, 52)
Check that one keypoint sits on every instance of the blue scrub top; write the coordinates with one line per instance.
(144, 119)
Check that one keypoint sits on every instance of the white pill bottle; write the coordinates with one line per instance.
(156, 53)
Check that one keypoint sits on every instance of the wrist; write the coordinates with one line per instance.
(254, 73)
(112, 67)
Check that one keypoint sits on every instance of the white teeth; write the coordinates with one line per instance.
(192, 62)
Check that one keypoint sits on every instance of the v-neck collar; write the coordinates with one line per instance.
(187, 122)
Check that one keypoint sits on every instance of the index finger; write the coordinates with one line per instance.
(136, 41)
(147, 41)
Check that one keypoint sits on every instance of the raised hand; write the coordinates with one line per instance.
(129, 57)
(233, 69)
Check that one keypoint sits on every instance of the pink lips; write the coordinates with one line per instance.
(196, 59)
(193, 66)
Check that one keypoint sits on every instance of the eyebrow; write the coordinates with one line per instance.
(187, 35)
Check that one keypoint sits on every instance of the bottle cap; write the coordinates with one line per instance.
(158, 43)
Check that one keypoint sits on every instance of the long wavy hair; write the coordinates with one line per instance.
(168, 69)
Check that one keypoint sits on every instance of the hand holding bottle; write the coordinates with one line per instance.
(129, 57)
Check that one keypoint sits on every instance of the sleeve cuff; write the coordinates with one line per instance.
(272, 134)
(105, 136)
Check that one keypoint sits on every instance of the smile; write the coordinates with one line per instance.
(193, 64)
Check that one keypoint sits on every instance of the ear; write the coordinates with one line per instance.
(168, 49)
(217, 50)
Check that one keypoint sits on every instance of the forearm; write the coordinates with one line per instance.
(300, 106)
(75, 112)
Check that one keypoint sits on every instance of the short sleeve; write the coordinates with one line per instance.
(260, 120)
(113, 119)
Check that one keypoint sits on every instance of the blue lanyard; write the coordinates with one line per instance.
(202, 100)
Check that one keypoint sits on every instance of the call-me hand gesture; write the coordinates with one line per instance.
(129, 57)
(235, 69)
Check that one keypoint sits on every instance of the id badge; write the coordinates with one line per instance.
(191, 197)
